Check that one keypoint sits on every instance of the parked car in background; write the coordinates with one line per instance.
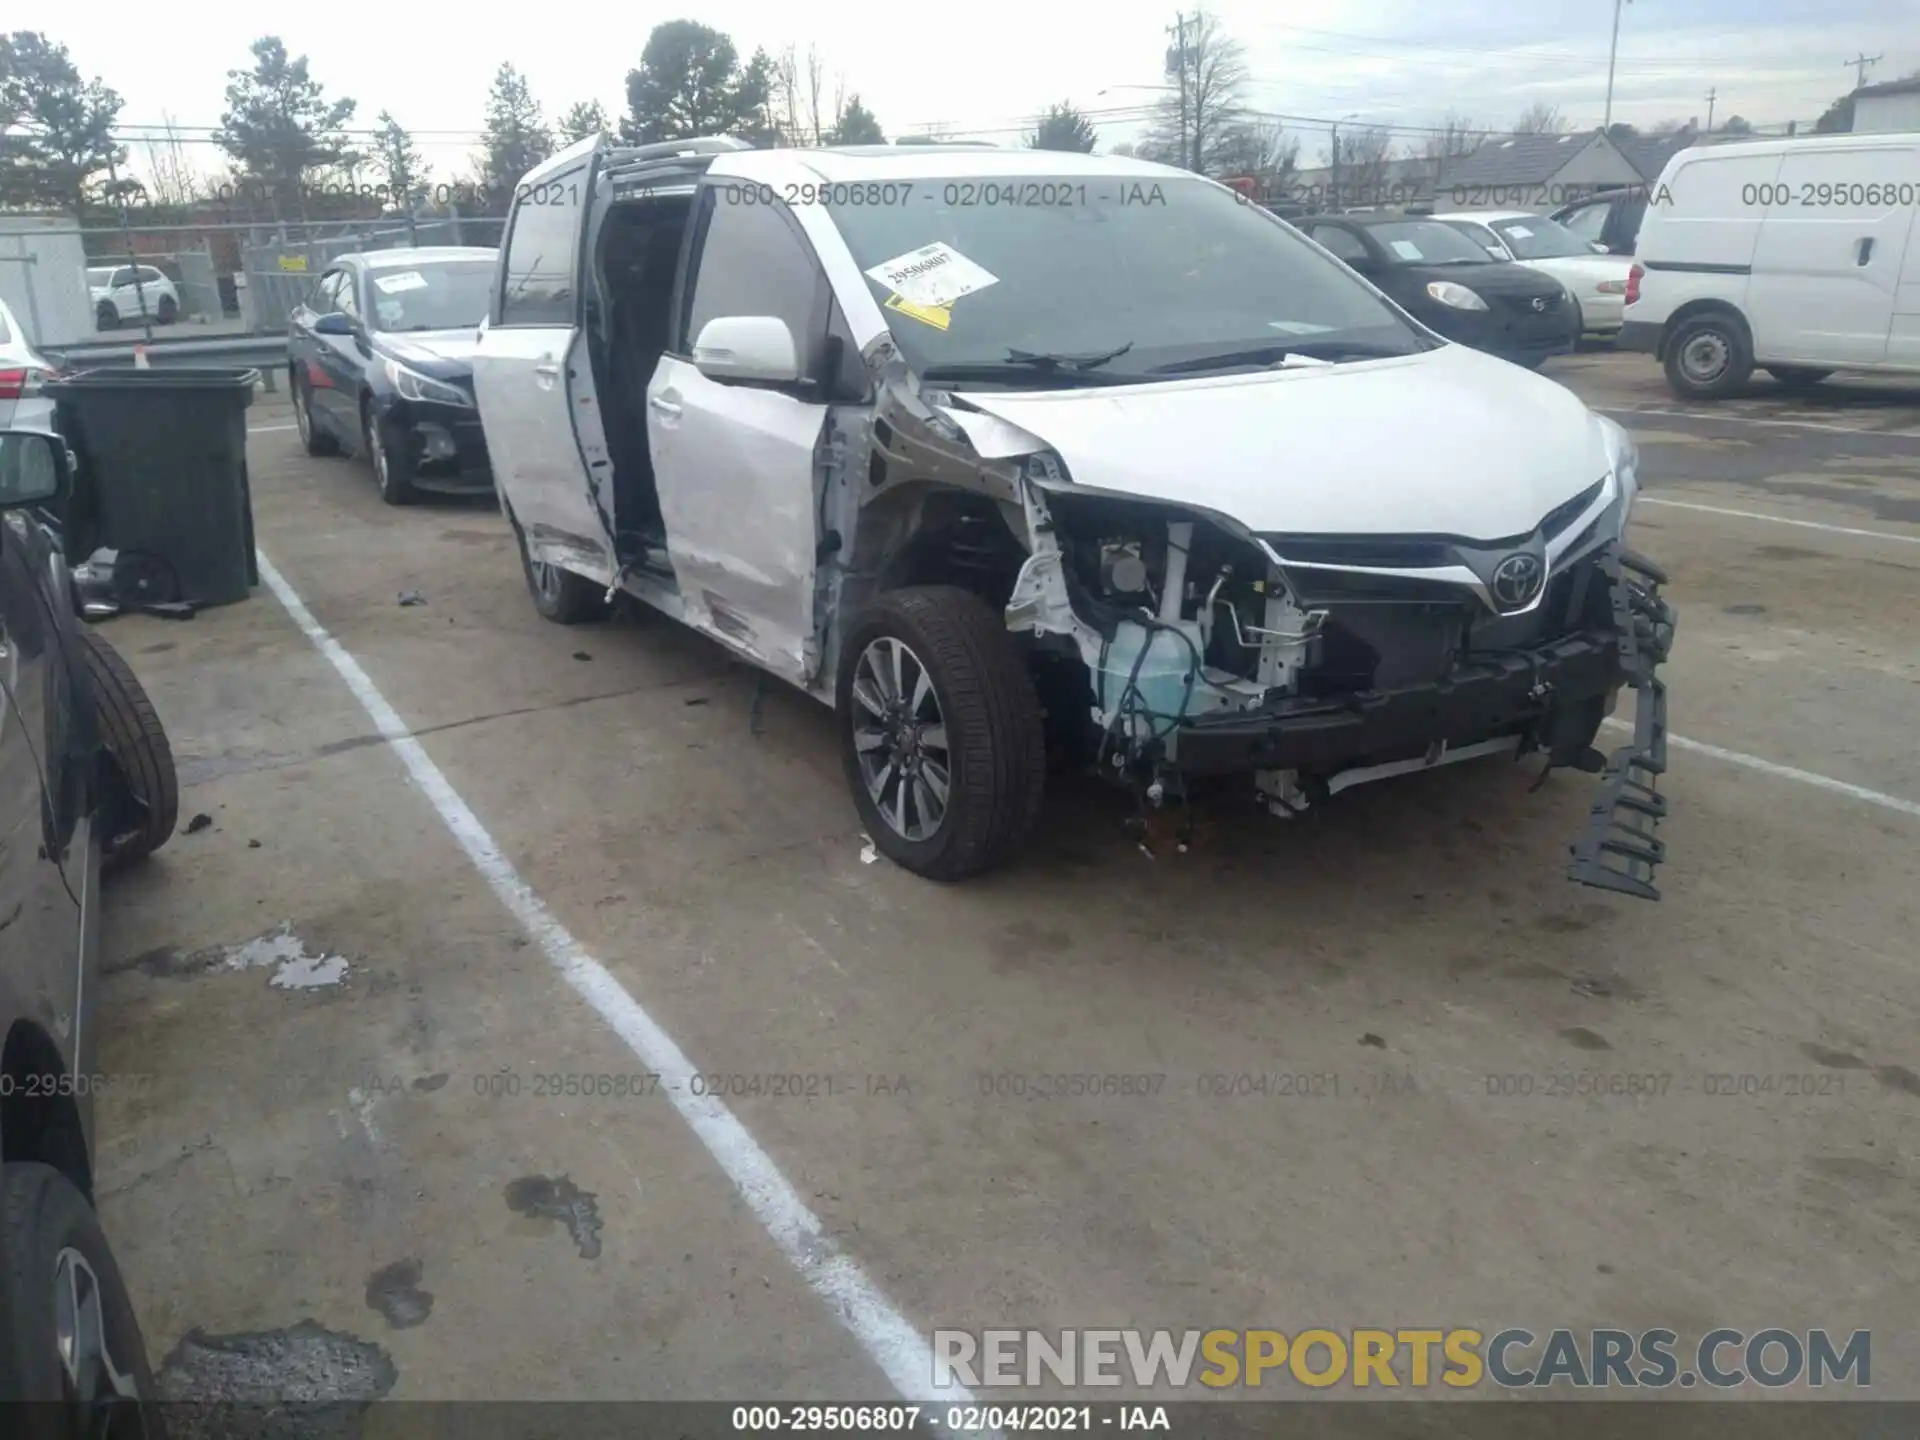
(131, 292)
(22, 372)
(1452, 285)
(1134, 476)
(1800, 256)
(379, 359)
(1597, 280)
(1611, 218)
(86, 782)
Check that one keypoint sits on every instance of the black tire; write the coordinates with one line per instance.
(559, 595)
(316, 440)
(390, 472)
(1709, 356)
(105, 317)
(135, 738)
(54, 1243)
(168, 310)
(996, 744)
(1798, 377)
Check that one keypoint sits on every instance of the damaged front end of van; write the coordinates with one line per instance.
(1221, 620)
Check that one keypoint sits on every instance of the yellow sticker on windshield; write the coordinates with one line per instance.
(938, 316)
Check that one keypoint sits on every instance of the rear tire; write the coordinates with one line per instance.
(984, 710)
(168, 310)
(1798, 377)
(559, 595)
(316, 440)
(137, 741)
(1709, 356)
(75, 1336)
(106, 317)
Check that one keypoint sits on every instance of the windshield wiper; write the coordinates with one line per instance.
(1079, 364)
(1275, 354)
(1020, 373)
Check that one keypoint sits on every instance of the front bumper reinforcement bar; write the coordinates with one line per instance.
(1618, 850)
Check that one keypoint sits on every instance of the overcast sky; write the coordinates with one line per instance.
(984, 68)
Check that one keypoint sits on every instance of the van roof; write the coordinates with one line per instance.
(950, 162)
(1779, 144)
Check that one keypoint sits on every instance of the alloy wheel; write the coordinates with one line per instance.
(102, 1391)
(900, 738)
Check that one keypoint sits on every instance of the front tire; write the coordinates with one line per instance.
(1798, 377)
(315, 440)
(941, 732)
(1709, 356)
(559, 595)
(168, 310)
(77, 1349)
(105, 316)
(390, 471)
(137, 741)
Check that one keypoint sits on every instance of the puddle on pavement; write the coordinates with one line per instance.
(394, 1290)
(304, 1382)
(540, 1197)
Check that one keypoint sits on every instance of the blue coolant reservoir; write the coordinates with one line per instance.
(1165, 668)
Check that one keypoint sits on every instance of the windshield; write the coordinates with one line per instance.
(433, 295)
(1535, 237)
(1097, 279)
(1427, 242)
(99, 274)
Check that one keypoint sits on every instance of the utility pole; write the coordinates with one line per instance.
(1612, 55)
(1179, 31)
(1710, 97)
(1860, 63)
(1333, 160)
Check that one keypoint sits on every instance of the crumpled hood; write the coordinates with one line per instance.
(443, 354)
(1445, 442)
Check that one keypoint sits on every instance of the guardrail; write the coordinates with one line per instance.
(266, 353)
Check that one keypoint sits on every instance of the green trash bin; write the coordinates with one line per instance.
(162, 475)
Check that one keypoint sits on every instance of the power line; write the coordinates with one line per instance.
(1860, 63)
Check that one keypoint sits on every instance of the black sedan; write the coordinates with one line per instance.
(86, 783)
(380, 360)
(1452, 286)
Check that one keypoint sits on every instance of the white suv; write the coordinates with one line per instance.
(1013, 455)
(129, 292)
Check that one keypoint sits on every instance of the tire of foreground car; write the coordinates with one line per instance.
(559, 595)
(105, 316)
(61, 1281)
(983, 702)
(390, 471)
(137, 741)
(167, 310)
(1709, 356)
(316, 440)
(1798, 377)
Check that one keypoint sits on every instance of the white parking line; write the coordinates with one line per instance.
(1723, 417)
(882, 1331)
(269, 429)
(1785, 772)
(1778, 520)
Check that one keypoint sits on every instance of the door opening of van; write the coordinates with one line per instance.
(636, 256)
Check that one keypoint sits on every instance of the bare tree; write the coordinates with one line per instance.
(1261, 151)
(175, 181)
(807, 111)
(1456, 136)
(1208, 69)
(1540, 118)
(1360, 165)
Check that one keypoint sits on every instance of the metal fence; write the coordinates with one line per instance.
(279, 272)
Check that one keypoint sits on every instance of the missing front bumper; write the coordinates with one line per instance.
(1618, 850)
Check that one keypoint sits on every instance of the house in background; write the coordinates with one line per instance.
(1893, 106)
(1544, 172)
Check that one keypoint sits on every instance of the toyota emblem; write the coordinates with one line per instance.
(1539, 303)
(1516, 580)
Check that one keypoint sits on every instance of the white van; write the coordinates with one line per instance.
(1800, 256)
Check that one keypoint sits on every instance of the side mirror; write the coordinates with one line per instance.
(335, 324)
(33, 467)
(747, 347)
